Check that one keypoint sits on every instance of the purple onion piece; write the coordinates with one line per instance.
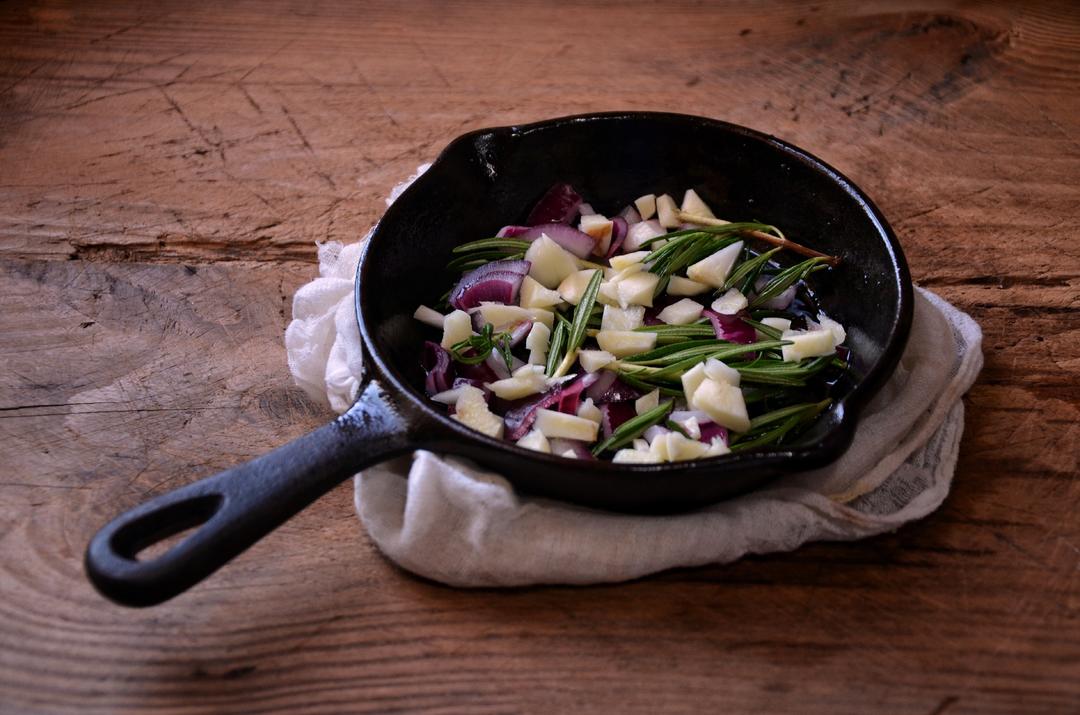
(571, 395)
(438, 368)
(498, 279)
(580, 449)
(495, 288)
(519, 332)
(730, 328)
(615, 390)
(630, 215)
(605, 379)
(780, 302)
(559, 205)
(619, 229)
(711, 430)
(577, 242)
(614, 414)
(654, 432)
(480, 373)
(519, 418)
(511, 231)
(495, 362)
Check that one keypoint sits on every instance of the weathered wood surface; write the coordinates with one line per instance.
(164, 171)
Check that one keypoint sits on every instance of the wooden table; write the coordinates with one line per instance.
(165, 169)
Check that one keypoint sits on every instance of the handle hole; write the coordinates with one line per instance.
(153, 534)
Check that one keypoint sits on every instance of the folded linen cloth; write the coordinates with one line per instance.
(448, 519)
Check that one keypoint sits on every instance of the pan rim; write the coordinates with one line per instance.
(787, 460)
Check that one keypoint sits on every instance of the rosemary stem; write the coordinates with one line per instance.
(564, 366)
(761, 236)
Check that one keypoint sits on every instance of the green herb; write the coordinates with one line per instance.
(788, 418)
(555, 347)
(726, 228)
(648, 358)
(666, 334)
(475, 349)
(633, 428)
(479, 258)
(486, 244)
(644, 386)
(576, 334)
(778, 372)
(676, 364)
(766, 330)
(676, 427)
(787, 278)
(748, 270)
(686, 251)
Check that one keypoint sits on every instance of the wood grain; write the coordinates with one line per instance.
(165, 169)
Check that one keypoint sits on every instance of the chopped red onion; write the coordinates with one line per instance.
(605, 379)
(498, 281)
(580, 449)
(615, 391)
(438, 368)
(613, 414)
(654, 432)
(520, 417)
(511, 231)
(519, 332)
(571, 395)
(619, 229)
(577, 242)
(495, 361)
(730, 327)
(559, 205)
(711, 430)
(630, 215)
(479, 372)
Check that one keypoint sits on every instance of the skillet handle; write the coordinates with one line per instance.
(235, 508)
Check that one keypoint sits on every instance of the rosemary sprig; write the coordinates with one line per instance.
(722, 228)
(748, 269)
(789, 418)
(576, 334)
(686, 250)
(787, 278)
(475, 349)
(777, 240)
(644, 386)
(666, 334)
(676, 364)
(654, 356)
(486, 244)
(555, 347)
(676, 427)
(770, 332)
(475, 260)
(778, 372)
(633, 428)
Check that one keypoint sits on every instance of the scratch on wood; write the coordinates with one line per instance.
(296, 128)
(190, 125)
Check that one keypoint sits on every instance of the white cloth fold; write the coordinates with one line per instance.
(450, 520)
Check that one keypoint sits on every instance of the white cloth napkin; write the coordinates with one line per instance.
(449, 520)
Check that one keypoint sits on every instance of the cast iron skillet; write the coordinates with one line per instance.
(481, 181)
